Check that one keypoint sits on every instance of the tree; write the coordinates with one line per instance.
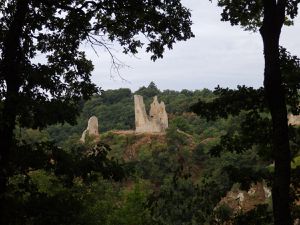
(148, 92)
(60, 190)
(255, 129)
(43, 72)
(269, 16)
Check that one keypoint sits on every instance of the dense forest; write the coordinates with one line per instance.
(228, 157)
(126, 178)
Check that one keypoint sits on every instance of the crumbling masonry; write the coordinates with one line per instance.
(155, 122)
(91, 130)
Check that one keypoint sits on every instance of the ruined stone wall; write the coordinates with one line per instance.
(141, 117)
(155, 122)
(91, 130)
(158, 113)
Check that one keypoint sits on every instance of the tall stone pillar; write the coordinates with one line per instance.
(91, 130)
(141, 117)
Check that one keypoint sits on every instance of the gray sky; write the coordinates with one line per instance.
(219, 55)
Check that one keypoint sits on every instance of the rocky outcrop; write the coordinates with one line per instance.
(91, 130)
(155, 122)
(239, 200)
(294, 119)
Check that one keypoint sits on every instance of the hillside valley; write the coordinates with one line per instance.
(206, 166)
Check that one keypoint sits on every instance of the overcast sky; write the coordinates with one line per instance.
(219, 55)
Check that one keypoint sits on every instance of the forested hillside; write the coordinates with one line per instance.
(222, 157)
(115, 111)
(198, 172)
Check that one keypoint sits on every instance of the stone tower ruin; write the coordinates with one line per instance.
(91, 130)
(155, 122)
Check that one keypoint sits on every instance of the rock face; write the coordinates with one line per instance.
(91, 130)
(155, 122)
(294, 119)
(239, 200)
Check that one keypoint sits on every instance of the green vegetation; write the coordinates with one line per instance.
(182, 177)
(115, 111)
(125, 178)
(269, 17)
(296, 162)
(44, 71)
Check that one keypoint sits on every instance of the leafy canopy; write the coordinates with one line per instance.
(52, 69)
(249, 13)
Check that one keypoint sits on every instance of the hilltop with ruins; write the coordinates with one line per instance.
(155, 122)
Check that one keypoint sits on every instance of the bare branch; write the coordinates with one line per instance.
(116, 64)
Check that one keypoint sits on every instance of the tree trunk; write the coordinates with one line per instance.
(274, 91)
(10, 72)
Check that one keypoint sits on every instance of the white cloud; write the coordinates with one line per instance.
(219, 54)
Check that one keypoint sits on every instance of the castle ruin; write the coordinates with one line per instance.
(91, 130)
(155, 122)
